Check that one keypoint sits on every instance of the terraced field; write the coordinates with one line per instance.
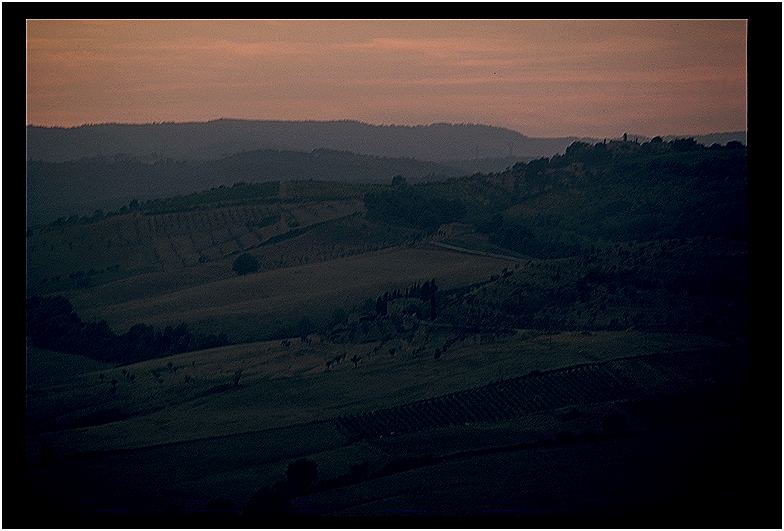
(587, 384)
(136, 243)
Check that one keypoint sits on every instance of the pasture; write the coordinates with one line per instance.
(266, 304)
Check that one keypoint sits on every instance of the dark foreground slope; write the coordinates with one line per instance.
(666, 444)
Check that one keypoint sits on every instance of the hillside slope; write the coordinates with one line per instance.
(57, 189)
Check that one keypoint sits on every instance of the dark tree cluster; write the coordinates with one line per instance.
(425, 292)
(618, 191)
(408, 206)
(245, 263)
(517, 237)
(605, 153)
(53, 324)
(675, 285)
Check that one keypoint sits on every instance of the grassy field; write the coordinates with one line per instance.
(192, 395)
(255, 306)
(322, 241)
(45, 368)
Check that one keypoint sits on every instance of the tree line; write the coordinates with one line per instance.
(410, 207)
(425, 292)
(52, 323)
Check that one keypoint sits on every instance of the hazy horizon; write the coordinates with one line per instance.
(539, 78)
(374, 124)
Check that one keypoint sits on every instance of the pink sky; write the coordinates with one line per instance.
(542, 78)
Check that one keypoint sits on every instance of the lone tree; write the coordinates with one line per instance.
(245, 263)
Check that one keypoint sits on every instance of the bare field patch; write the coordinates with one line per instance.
(253, 306)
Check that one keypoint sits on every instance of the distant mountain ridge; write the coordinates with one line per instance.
(440, 142)
(210, 140)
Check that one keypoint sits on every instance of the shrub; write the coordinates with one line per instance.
(245, 263)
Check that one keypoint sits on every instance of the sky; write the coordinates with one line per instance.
(541, 78)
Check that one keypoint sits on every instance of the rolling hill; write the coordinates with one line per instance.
(57, 189)
(217, 138)
(473, 345)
